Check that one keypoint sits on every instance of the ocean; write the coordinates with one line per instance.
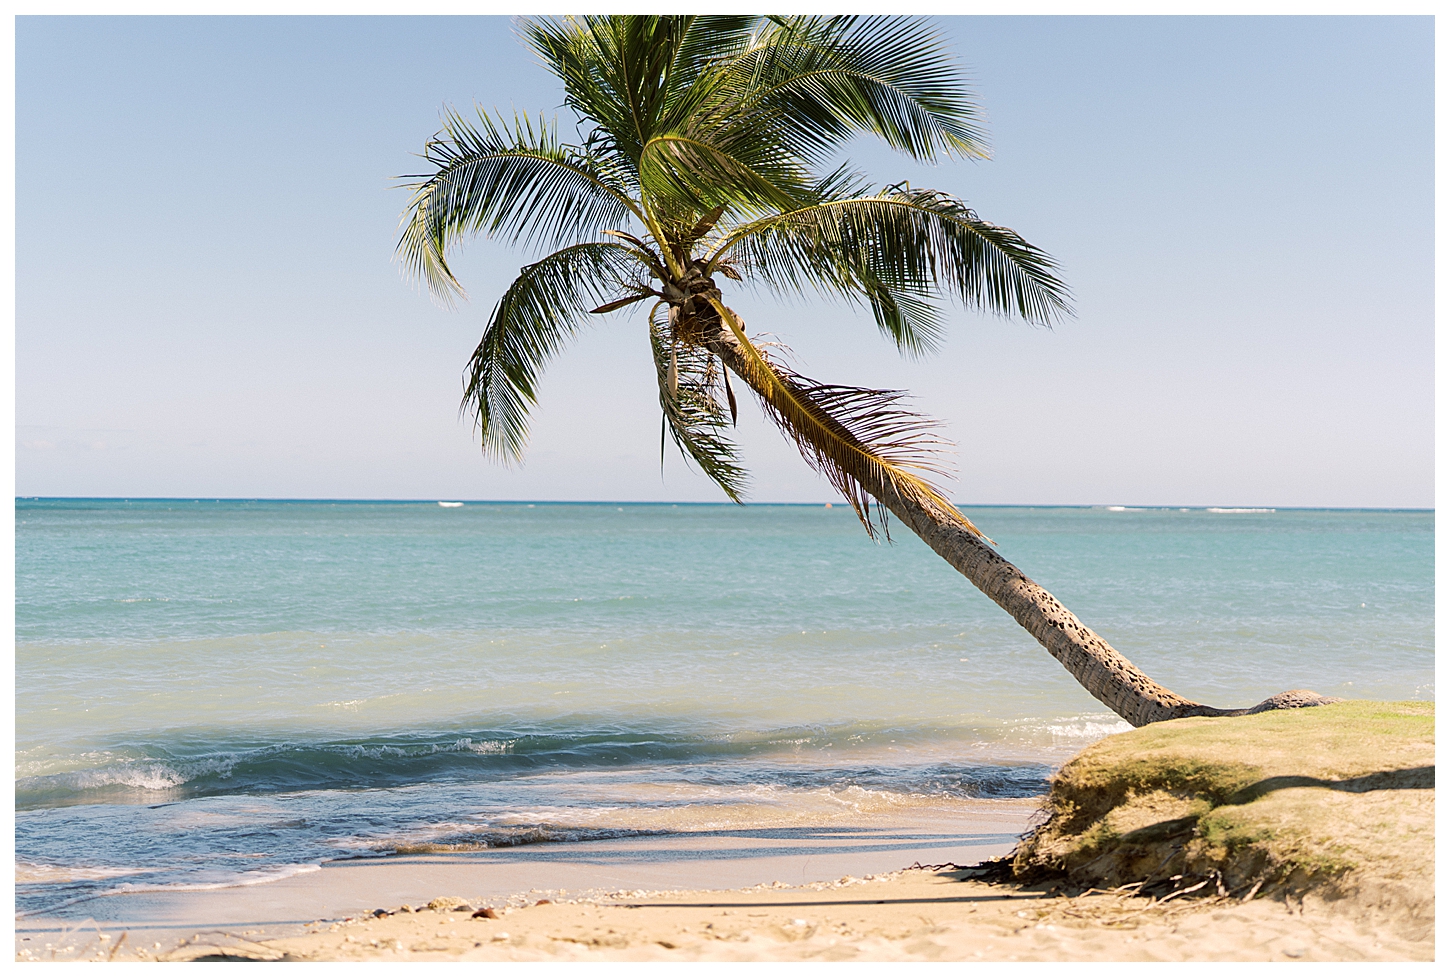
(215, 693)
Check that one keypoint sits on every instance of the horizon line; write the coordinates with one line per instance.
(425, 500)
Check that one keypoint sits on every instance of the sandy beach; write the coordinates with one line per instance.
(933, 914)
(911, 915)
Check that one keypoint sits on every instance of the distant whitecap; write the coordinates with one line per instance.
(451, 505)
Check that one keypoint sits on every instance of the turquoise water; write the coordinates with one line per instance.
(219, 692)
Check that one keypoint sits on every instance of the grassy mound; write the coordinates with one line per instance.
(1338, 798)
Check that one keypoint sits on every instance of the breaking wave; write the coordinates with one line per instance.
(815, 756)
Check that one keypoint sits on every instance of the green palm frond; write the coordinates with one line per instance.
(517, 179)
(707, 41)
(834, 77)
(840, 430)
(913, 323)
(693, 414)
(666, 103)
(616, 71)
(698, 171)
(637, 76)
(542, 309)
(916, 244)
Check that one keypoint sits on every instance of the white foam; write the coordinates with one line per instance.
(34, 873)
(1089, 730)
(463, 745)
(451, 505)
(254, 877)
(152, 775)
(1073, 731)
(487, 746)
(257, 877)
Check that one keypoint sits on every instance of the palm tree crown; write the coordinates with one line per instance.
(710, 148)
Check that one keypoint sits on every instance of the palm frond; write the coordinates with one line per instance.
(915, 244)
(540, 311)
(736, 167)
(862, 440)
(692, 412)
(707, 41)
(495, 177)
(914, 324)
(616, 71)
(664, 100)
(835, 76)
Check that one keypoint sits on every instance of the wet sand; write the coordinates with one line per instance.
(594, 869)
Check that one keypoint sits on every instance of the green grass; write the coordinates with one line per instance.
(1296, 797)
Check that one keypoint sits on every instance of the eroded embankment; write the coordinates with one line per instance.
(1337, 800)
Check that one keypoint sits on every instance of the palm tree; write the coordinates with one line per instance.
(710, 153)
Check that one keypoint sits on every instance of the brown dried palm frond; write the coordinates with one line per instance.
(693, 414)
(862, 440)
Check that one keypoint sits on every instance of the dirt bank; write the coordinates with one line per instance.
(1337, 800)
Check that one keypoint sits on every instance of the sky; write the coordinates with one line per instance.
(207, 303)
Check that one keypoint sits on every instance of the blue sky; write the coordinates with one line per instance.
(207, 303)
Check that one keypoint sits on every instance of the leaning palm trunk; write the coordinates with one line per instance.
(1109, 676)
(1101, 669)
